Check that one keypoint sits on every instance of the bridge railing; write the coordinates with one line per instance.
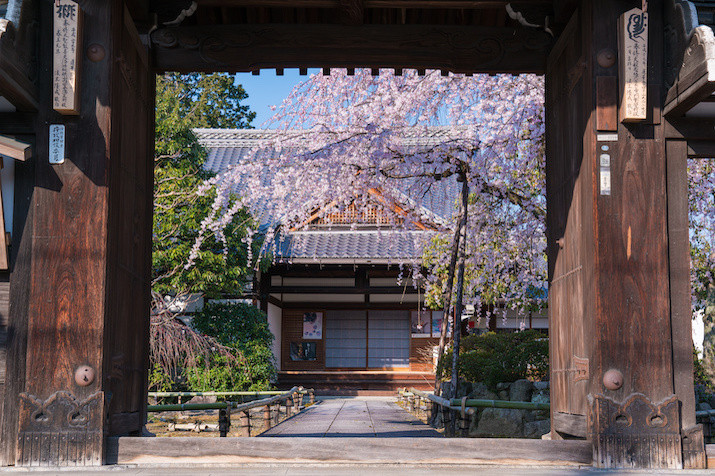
(292, 400)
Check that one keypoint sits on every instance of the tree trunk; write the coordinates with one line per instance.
(709, 334)
(457, 322)
(448, 297)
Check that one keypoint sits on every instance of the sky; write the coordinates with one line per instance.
(267, 90)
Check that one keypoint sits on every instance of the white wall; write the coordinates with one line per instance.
(275, 316)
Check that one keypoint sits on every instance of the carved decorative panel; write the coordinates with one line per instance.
(635, 433)
(60, 431)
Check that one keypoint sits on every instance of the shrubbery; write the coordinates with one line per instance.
(501, 357)
(244, 330)
(704, 387)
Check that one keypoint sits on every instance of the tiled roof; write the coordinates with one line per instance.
(226, 148)
(376, 246)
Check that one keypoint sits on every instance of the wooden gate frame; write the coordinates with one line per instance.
(86, 243)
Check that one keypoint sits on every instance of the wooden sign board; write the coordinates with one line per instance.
(633, 54)
(66, 42)
(16, 149)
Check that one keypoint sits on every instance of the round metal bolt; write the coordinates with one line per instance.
(84, 375)
(96, 52)
(613, 379)
(606, 58)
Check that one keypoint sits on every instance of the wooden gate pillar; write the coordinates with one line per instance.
(85, 275)
(618, 371)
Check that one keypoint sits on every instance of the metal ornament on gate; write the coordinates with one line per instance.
(635, 433)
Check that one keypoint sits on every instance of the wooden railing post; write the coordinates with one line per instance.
(246, 422)
(296, 406)
(224, 420)
(267, 417)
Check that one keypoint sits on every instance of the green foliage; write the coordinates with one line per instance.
(501, 357)
(160, 381)
(703, 384)
(234, 324)
(186, 101)
(241, 327)
(222, 264)
(494, 284)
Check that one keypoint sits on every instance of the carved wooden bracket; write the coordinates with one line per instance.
(635, 433)
(60, 431)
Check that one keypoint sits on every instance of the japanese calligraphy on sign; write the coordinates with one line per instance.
(634, 65)
(65, 57)
(57, 143)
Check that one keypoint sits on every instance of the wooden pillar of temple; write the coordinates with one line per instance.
(80, 290)
(617, 368)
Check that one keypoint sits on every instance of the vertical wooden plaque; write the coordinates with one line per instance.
(66, 40)
(633, 54)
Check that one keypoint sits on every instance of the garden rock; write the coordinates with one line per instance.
(438, 421)
(503, 394)
(465, 388)
(473, 424)
(446, 389)
(537, 429)
(500, 423)
(520, 391)
(203, 399)
(541, 386)
(481, 391)
(711, 400)
(704, 406)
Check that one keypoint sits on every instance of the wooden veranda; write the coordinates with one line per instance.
(620, 129)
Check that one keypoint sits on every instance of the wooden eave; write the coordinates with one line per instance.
(15, 83)
(695, 81)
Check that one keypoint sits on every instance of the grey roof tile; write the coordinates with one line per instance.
(226, 147)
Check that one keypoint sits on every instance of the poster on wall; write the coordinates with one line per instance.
(313, 325)
(421, 323)
(437, 324)
(303, 351)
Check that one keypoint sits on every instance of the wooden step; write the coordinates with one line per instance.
(356, 382)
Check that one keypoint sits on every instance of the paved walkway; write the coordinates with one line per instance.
(353, 417)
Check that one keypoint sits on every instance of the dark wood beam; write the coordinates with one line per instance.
(235, 48)
(701, 149)
(353, 306)
(352, 12)
(17, 123)
(424, 4)
(341, 290)
(690, 128)
(16, 63)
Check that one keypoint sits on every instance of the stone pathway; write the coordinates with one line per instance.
(351, 417)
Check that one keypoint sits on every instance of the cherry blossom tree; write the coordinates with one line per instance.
(405, 136)
(701, 174)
